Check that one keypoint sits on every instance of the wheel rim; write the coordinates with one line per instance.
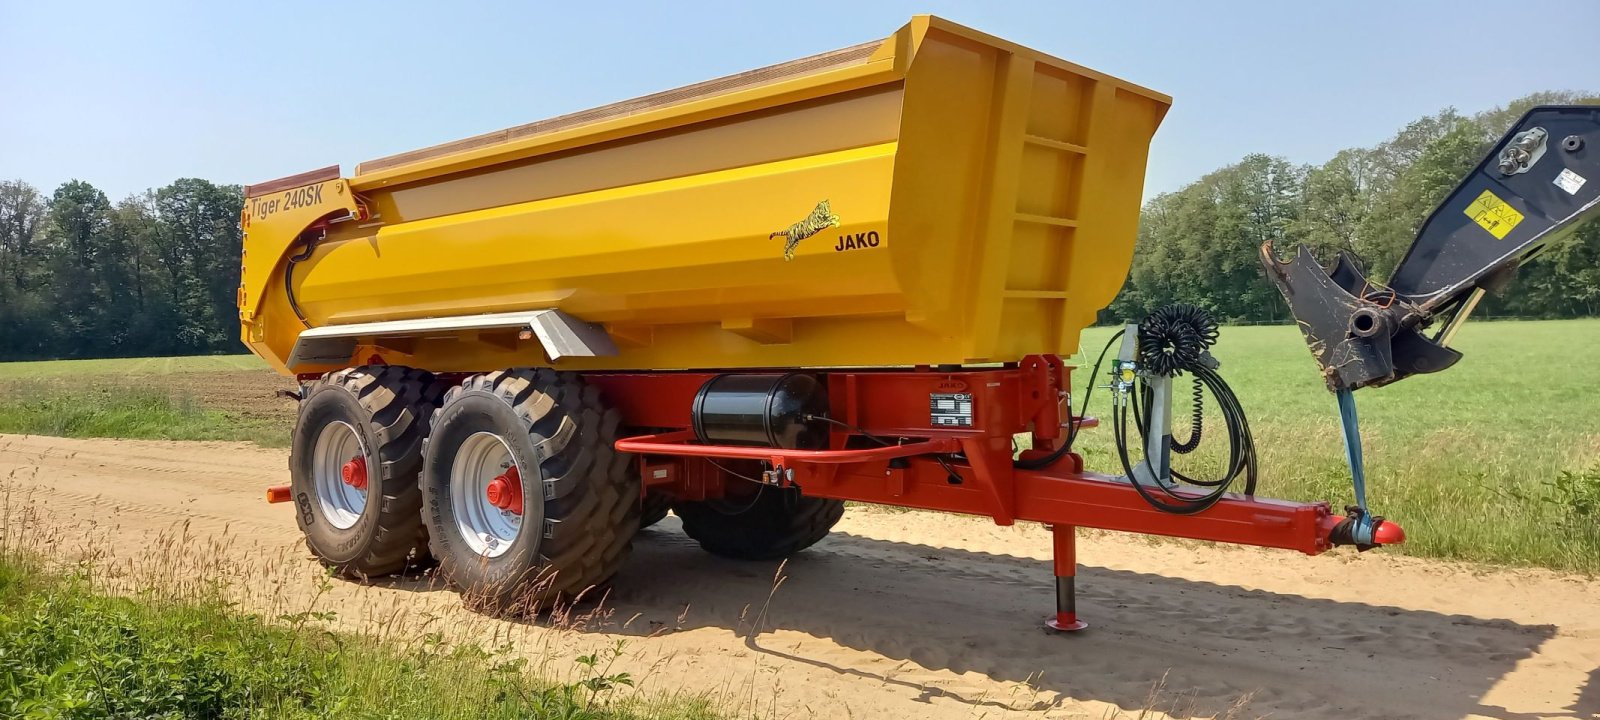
(343, 502)
(483, 459)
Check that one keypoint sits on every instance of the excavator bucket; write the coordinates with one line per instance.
(1539, 183)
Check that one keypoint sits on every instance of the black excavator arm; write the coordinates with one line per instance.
(1539, 183)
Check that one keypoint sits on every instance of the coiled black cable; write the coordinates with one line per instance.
(1174, 340)
(1197, 420)
(1171, 340)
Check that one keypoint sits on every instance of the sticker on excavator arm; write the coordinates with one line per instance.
(1493, 214)
(1570, 181)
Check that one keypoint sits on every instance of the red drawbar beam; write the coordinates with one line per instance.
(1059, 496)
(1056, 496)
(1113, 504)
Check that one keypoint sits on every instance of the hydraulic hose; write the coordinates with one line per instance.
(288, 278)
(1174, 340)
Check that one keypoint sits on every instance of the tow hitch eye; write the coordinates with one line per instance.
(1365, 531)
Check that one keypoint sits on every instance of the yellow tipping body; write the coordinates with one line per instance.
(944, 197)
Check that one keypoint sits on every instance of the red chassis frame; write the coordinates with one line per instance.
(1019, 397)
(1031, 395)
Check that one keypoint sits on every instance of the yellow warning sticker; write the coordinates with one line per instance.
(1493, 214)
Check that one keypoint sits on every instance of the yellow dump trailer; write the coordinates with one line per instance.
(939, 196)
(848, 278)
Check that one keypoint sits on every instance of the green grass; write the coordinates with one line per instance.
(114, 411)
(68, 651)
(131, 366)
(1489, 461)
(172, 398)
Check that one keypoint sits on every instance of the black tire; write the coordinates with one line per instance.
(389, 408)
(560, 436)
(653, 509)
(771, 525)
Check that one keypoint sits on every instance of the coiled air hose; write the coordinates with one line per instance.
(1197, 420)
(1174, 340)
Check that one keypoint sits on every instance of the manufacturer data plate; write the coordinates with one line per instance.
(1570, 181)
(950, 409)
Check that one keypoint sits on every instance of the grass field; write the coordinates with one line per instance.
(1494, 460)
(213, 397)
(1471, 461)
(131, 366)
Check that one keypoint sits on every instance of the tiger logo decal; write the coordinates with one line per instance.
(821, 218)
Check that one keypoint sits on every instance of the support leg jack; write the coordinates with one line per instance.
(1065, 540)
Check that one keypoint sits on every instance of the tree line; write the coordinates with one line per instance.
(1198, 245)
(155, 273)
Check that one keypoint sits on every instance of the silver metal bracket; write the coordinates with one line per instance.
(1524, 150)
(1156, 469)
(561, 335)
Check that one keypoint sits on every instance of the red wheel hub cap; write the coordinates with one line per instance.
(354, 473)
(505, 491)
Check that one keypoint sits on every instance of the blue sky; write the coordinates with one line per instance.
(134, 95)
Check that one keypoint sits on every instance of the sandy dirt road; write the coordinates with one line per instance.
(902, 614)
